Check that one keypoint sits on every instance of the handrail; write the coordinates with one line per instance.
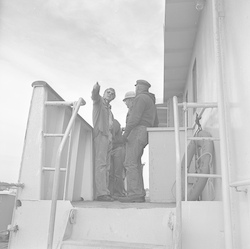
(57, 171)
(178, 225)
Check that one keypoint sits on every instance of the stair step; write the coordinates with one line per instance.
(101, 244)
(145, 223)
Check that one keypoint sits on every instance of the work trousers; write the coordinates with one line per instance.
(116, 174)
(103, 149)
(137, 140)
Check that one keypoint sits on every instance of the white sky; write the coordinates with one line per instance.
(72, 44)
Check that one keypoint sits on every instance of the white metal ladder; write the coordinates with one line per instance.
(65, 136)
(204, 106)
(226, 209)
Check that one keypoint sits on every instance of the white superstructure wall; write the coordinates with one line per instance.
(233, 30)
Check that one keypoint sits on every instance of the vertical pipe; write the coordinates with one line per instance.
(185, 168)
(178, 225)
(218, 26)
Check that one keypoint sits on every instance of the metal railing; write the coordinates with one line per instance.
(57, 166)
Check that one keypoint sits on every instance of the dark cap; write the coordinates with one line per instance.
(142, 83)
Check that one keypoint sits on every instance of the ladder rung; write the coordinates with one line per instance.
(203, 175)
(52, 135)
(52, 169)
(59, 103)
(198, 105)
(203, 138)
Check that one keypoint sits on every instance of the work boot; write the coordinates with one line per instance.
(104, 198)
(132, 198)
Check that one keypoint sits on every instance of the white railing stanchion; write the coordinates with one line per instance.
(178, 224)
(57, 172)
(186, 145)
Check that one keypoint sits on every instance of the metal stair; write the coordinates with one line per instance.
(100, 244)
(119, 225)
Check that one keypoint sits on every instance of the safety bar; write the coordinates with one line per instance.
(178, 225)
(57, 171)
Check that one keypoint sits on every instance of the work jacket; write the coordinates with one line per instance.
(143, 112)
(100, 114)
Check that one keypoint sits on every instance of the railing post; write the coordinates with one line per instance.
(178, 225)
(56, 174)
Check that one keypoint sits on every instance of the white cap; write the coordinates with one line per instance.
(129, 95)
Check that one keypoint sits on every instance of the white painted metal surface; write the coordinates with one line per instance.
(162, 163)
(32, 218)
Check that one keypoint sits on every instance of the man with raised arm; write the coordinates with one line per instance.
(103, 126)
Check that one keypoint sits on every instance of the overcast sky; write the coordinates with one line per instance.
(72, 44)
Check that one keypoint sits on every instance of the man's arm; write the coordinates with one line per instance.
(95, 92)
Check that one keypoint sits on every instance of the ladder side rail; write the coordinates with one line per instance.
(56, 175)
(178, 225)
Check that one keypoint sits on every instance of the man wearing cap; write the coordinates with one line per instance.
(143, 114)
(128, 100)
(103, 128)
